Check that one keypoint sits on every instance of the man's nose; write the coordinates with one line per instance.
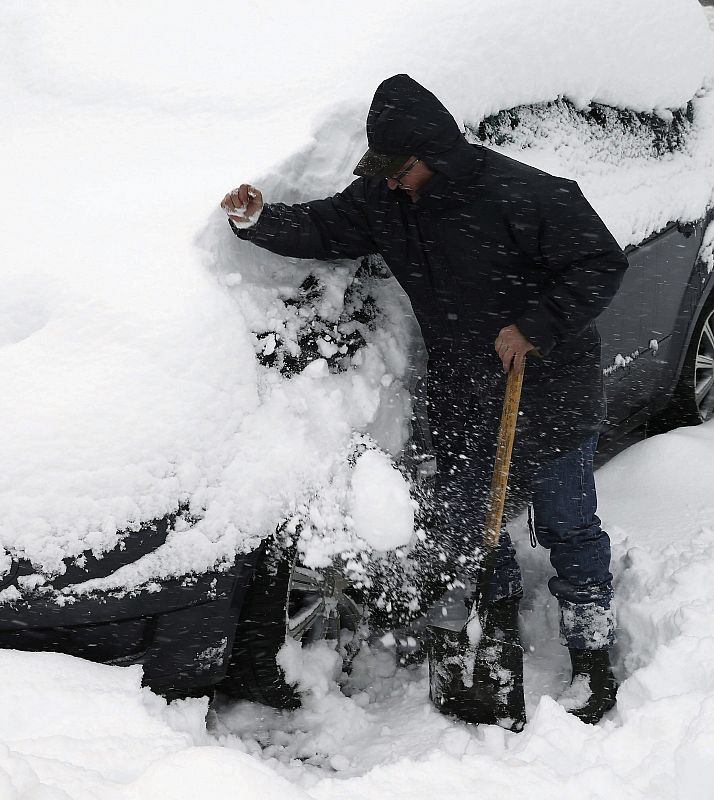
(392, 184)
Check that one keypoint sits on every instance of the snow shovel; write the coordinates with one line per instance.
(473, 675)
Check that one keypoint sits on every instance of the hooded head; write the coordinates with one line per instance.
(406, 119)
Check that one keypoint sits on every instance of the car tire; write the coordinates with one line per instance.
(284, 600)
(693, 399)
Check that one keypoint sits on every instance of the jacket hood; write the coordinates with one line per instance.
(407, 118)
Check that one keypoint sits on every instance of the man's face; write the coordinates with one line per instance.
(410, 177)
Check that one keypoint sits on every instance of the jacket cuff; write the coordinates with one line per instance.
(244, 233)
(536, 327)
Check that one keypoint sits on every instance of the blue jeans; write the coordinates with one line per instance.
(464, 409)
(564, 504)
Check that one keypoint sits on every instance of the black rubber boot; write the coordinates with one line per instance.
(593, 688)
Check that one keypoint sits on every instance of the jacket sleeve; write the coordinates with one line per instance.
(586, 263)
(336, 227)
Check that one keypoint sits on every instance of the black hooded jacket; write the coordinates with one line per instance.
(490, 242)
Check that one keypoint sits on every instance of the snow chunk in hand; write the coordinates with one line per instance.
(381, 507)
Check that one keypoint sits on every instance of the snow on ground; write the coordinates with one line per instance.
(130, 317)
(71, 729)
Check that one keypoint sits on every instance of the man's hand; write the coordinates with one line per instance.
(243, 205)
(512, 347)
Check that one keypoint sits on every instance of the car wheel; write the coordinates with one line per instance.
(693, 399)
(285, 600)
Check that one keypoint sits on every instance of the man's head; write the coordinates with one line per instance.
(407, 121)
(407, 173)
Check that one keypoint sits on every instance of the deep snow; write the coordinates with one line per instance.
(128, 331)
(80, 730)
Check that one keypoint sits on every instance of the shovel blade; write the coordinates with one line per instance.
(482, 684)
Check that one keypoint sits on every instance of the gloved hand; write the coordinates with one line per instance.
(243, 205)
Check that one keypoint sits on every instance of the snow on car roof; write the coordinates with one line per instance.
(129, 315)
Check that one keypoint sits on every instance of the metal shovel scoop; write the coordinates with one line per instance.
(472, 674)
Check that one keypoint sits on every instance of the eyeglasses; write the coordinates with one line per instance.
(402, 173)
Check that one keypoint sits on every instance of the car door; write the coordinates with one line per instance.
(641, 329)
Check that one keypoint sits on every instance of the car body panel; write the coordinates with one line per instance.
(180, 630)
(646, 328)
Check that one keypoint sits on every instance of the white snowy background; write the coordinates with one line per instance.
(127, 361)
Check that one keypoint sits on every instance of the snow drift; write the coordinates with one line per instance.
(131, 326)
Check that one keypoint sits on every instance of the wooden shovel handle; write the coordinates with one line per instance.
(504, 449)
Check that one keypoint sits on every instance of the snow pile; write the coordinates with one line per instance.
(71, 729)
(131, 318)
(635, 189)
(141, 348)
(77, 730)
(657, 742)
(381, 505)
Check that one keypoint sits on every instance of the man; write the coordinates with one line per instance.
(495, 256)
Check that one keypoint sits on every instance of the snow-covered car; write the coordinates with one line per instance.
(173, 397)
(329, 341)
(657, 334)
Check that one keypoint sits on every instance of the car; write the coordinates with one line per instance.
(219, 625)
(657, 336)
(222, 628)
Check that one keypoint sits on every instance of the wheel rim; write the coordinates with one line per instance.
(318, 608)
(704, 370)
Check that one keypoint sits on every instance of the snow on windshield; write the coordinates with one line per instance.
(131, 320)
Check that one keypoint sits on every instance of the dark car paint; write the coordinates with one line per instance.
(181, 630)
(664, 289)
